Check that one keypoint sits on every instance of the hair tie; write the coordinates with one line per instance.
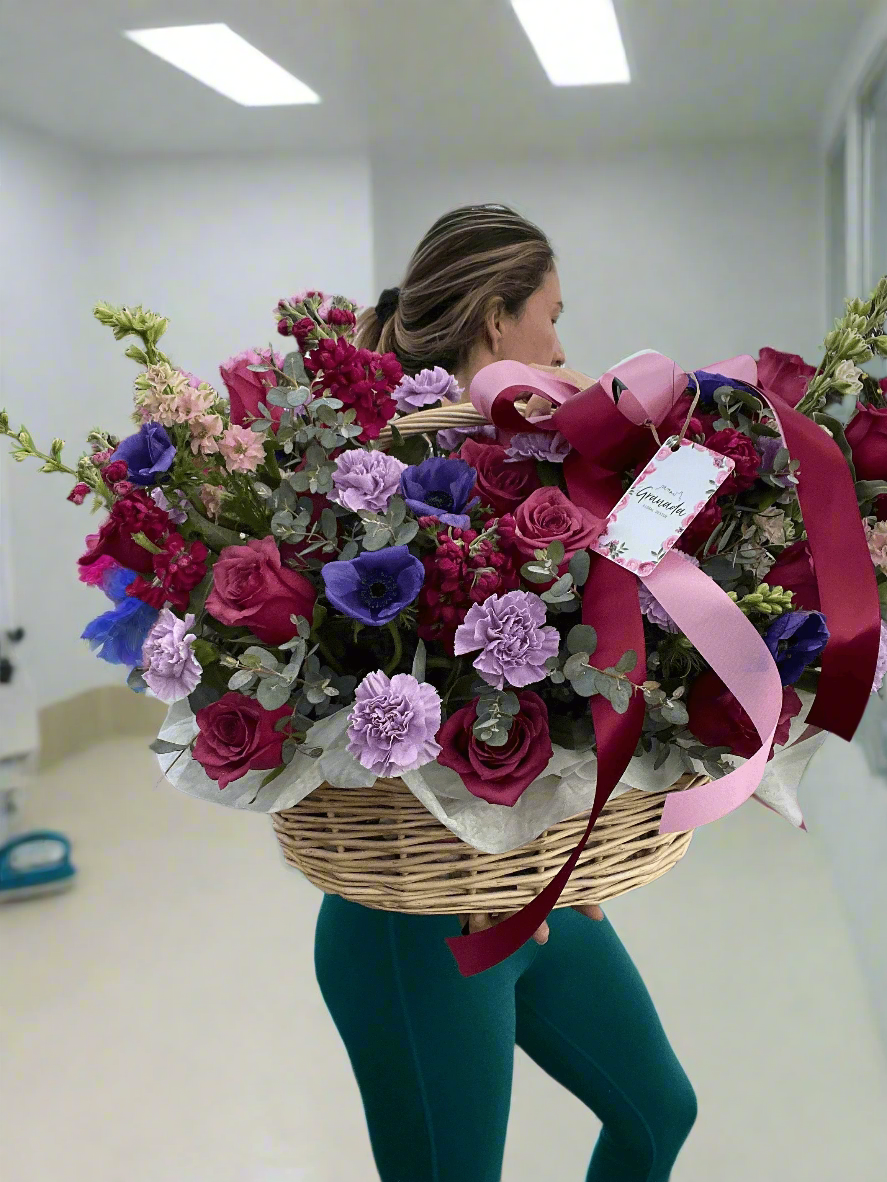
(387, 304)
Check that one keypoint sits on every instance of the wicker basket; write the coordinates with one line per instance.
(381, 847)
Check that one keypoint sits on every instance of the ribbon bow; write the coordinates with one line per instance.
(607, 426)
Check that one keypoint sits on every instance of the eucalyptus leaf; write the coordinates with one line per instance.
(627, 661)
(294, 368)
(328, 524)
(582, 638)
(576, 665)
(397, 511)
(661, 756)
(580, 565)
(406, 532)
(419, 661)
(241, 679)
(161, 747)
(273, 693)
(349, 550)
(556, 552)
(675, 713)
(620, 697)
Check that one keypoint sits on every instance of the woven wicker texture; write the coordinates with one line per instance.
(381, 847)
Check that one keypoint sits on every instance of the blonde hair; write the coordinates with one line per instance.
(471, 260)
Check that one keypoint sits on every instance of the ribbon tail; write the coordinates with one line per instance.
(848, 590)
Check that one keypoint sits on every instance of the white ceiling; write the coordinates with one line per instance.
(423, 75)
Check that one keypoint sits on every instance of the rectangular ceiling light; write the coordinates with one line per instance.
(577, 41)
(216, 56)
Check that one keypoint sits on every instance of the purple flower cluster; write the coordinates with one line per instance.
(393, 723)
(172, 671)
(426, 388)
(653, 609)
(509, 630)
(538, 445)
(366, 480)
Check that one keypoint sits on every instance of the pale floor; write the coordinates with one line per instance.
(161, 1022)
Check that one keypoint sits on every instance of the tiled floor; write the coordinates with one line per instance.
(161, 1022)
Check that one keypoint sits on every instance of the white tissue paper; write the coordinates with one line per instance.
(565, 790)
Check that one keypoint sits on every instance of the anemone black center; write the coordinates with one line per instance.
(378, 590)
(438, 498)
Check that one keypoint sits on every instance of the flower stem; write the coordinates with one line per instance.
(398, 649)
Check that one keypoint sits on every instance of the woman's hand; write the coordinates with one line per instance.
(479, 922)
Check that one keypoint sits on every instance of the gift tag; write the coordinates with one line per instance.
(674, 487)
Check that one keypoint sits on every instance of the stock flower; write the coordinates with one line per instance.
(236, 736)
(440, 488)
(427, 387)
(876, 536)
(205, 431)
(178, 568)
(78, 493)
(130, 515)
(793, 571)
(465, 568)
(502, 483)
(785, 374)
(498, 774)
(211, 496)
(548, 516)
(242, 449)
(114, 472)
(796, 639)
(538, 445)
(509, 630)
(252, 589)
(393, 723)
(247, 388)
(740, 448)
(700, 528)
(147, 454)
(374, 587)
(361, 379)
(171, 670)
(365, 480)
(718, 720)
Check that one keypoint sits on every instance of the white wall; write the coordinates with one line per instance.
(212, 243)
(698, 253)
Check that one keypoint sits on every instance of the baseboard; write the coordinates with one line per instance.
(106, 712)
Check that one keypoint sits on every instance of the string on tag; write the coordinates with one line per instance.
(689, 412)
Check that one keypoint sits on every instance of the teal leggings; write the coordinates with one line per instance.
(433, 1052)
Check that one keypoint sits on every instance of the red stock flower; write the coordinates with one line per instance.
(115, 472)
(700, 528)
(78, 494)
(359, 378)
(465, 568)
(177, 570)
(132, 514)
(745, 456)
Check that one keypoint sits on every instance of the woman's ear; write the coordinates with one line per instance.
(493, 325)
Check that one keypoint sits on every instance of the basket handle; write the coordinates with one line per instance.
(435, 419)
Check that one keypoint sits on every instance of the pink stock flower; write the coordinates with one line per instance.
(242, 449)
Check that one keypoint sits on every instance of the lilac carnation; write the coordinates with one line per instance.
(653, 609)
(451, 438)
(426, 388)
(393, 723)
(172, 671)
(538, 445)
(365, 480)
(881, 668)
(509, 631)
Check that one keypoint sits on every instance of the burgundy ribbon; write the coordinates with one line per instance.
(606, 442)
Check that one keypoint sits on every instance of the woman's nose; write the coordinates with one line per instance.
(560, 357)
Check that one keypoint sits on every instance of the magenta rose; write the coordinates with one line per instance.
(746, 458)
(246, 387)
(501, 482)
(867, 435)
(718, 720)
(785, 374)
(547, 516)
(498, 774)
(252, 589)
(237, 736)
(793, 570)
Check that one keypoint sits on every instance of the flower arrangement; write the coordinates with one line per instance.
(319, 596)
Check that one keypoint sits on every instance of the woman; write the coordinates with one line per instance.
(432, 1051)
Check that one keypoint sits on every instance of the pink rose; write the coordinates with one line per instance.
(246, 387)
(237, 736)
(498, 774)
(252, 589)
(867, 435)
(547, 516)
(501, 483)
(785, 374)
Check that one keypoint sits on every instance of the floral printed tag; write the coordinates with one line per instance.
(674, 487)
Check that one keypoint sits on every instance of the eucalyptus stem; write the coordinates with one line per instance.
(398, 649)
